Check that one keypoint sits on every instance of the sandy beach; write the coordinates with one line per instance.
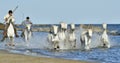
(6, 57)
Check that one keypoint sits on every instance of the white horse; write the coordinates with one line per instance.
(27, 33)
(85, 39)
(10, 34)
(62, 35)
(62, 31)
(104, 37)
(71, 36)
(53, 38)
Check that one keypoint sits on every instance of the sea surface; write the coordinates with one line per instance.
(39, 46)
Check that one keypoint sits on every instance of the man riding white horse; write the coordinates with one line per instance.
(25, 23)
(10, 34)
(7, 18)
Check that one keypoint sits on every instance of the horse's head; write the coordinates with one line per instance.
(90, 32)
(55, 29)
(28, 27)
(63, 26)
(104, 26)
(72, 27)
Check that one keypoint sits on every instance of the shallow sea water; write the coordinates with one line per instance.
(39, 47)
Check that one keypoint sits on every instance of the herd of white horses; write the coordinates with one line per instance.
(60, 38)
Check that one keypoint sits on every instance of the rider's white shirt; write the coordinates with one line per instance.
(9, 17)
(25, 22)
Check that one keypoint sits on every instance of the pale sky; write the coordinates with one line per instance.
(69, 11)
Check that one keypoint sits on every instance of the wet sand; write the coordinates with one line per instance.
(6, 57)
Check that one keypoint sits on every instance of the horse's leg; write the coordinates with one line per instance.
(65, 43)
(7, 42)
(25, 35)
(89, 41)
(5, 32)
(71, 44)
(22, 34)
(86, 43)
(103, 42)
(82, 43)
(106, 44)
(55, 45)
(11, 41)
(58, 47)
(74, 43)
(29, 35)
(27, 39)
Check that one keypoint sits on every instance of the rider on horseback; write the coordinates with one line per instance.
(24, 23)
(7, 18)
